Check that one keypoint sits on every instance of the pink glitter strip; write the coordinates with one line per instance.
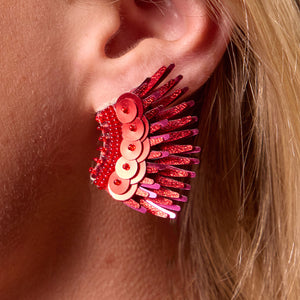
(156, 140)
(171, 98)
(172, 183)
(141, 89)
(176, 172)
(154, 168)
(176, 208)
(195, 150)
(176, 124)
(136, 206)
(153, 112)
(154, 210)
(161, 201)
(154, 186)
(151, 82)
(147, 180)
(178, 135)
(155, 127)
(163, 192)
(158, 126)
(177, 161)
(182, 199)
(132, 203)
(142, 193)
(158, 154)
(160, 209)
(157, 94)
(177, 149)
(176, 110)
(150, 193)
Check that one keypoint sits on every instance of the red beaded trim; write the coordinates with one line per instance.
(111, 138)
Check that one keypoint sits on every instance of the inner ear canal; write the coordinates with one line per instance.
(126, 38)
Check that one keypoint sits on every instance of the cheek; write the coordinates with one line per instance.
(45, 136)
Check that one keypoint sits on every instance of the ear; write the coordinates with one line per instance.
(140, 36)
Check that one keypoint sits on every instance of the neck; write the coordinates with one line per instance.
(104, 248)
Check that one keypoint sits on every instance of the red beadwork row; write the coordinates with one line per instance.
(111, 138)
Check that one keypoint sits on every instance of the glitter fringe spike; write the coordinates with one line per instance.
(142, 158)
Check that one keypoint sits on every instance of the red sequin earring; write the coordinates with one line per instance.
(141, 136)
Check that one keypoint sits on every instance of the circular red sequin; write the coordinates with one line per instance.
(147, 128)
(134, 130)
(118, 185)
(126, 110)
(136, 100)
(132, 190)
(126, 169)
(131, 149)
(141, 173)
(146, 150)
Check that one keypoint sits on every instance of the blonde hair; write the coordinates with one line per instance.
(240, 233)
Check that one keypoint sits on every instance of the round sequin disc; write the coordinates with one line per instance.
(118, 185)
(145, 152)
(126, 169)
(133, 131)
(131, 149)
(126, 110)
(147, 128)
(141, 173)
(137, 101)
(132, 190)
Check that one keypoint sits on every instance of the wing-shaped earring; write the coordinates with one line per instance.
(143, 159)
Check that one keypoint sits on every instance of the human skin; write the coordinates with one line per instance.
(51, 244)
(43, 161)
(58, 240)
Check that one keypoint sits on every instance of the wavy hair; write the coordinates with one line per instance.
(240, 234)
